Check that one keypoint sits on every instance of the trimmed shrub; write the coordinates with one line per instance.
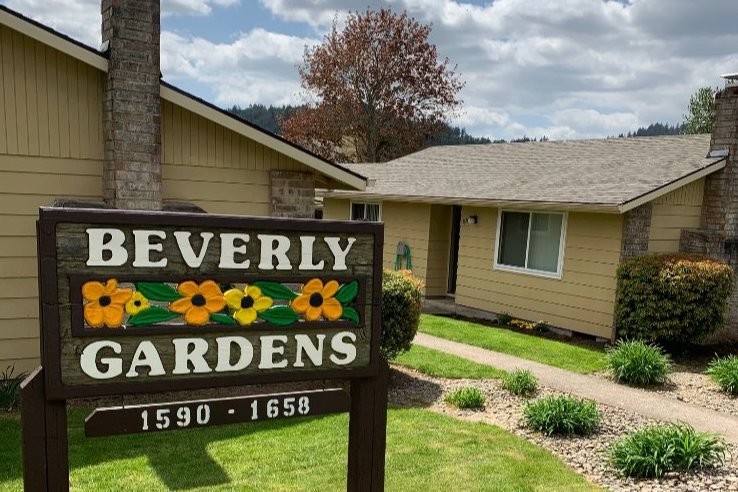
(562, 415)
(724, 371)
(652, 451)
(467, 397)
(671, 298)
(402, 300)
(637, 362)
(520, 382)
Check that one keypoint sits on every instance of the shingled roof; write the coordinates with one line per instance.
(608, 175)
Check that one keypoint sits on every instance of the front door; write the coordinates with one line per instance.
(453, 257)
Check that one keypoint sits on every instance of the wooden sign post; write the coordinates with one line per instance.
(135, 302)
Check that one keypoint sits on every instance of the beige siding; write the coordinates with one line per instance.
(51, 146)
(216, 168)
(582, 300)
(406, 222)
(673, 212)
(439, 244)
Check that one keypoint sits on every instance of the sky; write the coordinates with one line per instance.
(566, 69)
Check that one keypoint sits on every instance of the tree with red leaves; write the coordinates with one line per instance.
(380, 88)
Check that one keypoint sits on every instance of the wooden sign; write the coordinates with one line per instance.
(134, 419)
(146, 302)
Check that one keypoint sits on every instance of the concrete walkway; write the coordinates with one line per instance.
(616, 395)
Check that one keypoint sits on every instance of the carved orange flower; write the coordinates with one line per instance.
(199, 301)
(317, 300)
(104, 306)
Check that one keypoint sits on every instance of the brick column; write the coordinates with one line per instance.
(718, 233)
(636, 231)
(292, 194)
(131, 105)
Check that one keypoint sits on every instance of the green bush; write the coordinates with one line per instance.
(637, 362)
(671, 298)
(562, 415)
(520, 382)
(10, 388)
(652, 451)
(467, 397)
(724, 371)
(504, 319)
(402, 299)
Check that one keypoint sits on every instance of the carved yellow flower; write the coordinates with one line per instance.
(137, 304)
(317, 300)
(104, 306)
(199, 301)
(247, 303)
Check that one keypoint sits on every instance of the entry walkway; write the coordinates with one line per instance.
(594, 388)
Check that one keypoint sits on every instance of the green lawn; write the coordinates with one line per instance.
(425, 451)
(442, 365)
(554, 353)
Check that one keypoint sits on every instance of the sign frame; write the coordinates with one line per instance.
(44, 393)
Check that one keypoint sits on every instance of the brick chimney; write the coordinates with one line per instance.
(718, 233)
(131, 105)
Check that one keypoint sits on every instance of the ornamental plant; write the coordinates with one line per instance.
(638, 362)
(724, 371)
(562, 415)
(402, 300)
(520, 382)
(655, 450)
(467, 398)
(673, 298)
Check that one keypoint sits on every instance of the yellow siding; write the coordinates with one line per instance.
(439, 244)
(51, 146)
(582, 300)
(406, 222)
(673, 212)
(216, 168)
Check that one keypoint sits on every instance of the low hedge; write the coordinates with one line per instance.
(672, 298)
(402, 300)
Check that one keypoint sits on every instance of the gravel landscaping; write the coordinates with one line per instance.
(686, 385)
(586, 455)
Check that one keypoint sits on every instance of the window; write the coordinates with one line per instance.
(530, 242)
(371, 212)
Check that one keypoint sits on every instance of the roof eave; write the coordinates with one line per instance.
(92, 57)
(673, 185)
(611, 208)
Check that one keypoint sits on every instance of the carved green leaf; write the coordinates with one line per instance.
(157, 291)
(348, 292)
(279, 315)
(151, 316)
(276, 290)
(351, 314)
(222, 319)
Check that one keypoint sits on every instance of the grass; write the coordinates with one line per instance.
(653, 451)
(466, 397)
(562, 415)
(724, 371)
(425, 451)
(546, 351)
(520, 382)
(441, 365)
(639, 363)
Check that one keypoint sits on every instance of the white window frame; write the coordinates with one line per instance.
(351, 209)
(530, 271)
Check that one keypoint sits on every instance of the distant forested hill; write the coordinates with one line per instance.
(269, 117)
(655, 129)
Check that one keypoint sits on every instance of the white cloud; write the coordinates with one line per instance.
(564, 68)
(258, 66)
